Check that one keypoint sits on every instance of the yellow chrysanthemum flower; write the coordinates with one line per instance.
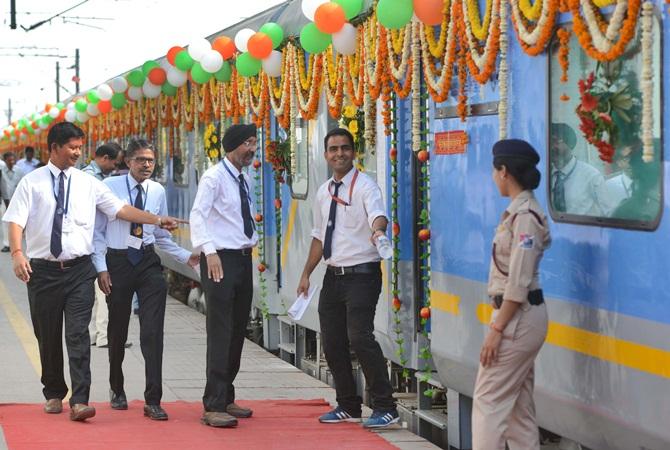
(353, 126)
(349, 111)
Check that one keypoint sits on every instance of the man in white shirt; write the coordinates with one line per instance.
(223, 228)
(10, 175)
(105, 161)
(28, 163)
(349, 216)
(127, 263)
(58, 220)
(576, 187)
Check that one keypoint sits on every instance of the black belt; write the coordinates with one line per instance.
(62, 265)
(240, 251)
(124, 251)
(534, 298)
(370, 267)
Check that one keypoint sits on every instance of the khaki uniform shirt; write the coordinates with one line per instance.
(519, 243)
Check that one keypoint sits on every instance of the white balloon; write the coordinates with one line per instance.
(309, 7)
(70, 106)
(198, 47)
(211, 61)
(12, 138)
(43, 124)
(135, 93)
(165, 64)
(23, 137)
(151, 90)
(242, 37)
(82, 117)
(344, 41)
(272, 64)
(176, 77)
(38, 131)
(71, 115)
(92, 110)
(53, 112)
(105, 92)
(118, 84)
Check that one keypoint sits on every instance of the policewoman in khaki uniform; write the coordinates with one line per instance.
(504, 410)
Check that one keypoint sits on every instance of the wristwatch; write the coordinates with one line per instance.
(159, 224)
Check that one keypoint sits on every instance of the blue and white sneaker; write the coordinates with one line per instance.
(381, 419)
(338, 415)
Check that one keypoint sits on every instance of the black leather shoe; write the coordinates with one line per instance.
(118, 401)
(5, 250)
(155, 412)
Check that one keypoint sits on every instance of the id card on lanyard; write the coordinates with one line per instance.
(136, 241)
(351, 191)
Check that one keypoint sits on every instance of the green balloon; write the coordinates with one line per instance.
(168, 89)
(313, 40)
(147, 66)
(119, 100)
(30, 129)
(48, 119)
(247, 65)
(199, 75)
(60, 105)
(275, 32)
(394, 14)
(93, 96)
(224, 72)
(183, 61)
(351, 7)
(136, 78)
(80, 105)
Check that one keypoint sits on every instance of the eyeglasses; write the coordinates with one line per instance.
(142, 161)
(250, 143)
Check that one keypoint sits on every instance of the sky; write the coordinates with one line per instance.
(113, 36)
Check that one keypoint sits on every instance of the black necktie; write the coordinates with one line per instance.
(246, 210)
(559, 192)
(57, 228)
(328, 242)
(135, 255)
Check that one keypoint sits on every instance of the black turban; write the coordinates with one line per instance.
(517, 149)
(236, 134)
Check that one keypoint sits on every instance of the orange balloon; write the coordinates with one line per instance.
(47, 107)
(61, 114)
(429, 11)
(104, 106)
(157, 76)
(172, 53)
(259, 45)
(329, 18)
(225, 46)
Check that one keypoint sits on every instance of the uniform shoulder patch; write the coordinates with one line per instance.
(526, 241)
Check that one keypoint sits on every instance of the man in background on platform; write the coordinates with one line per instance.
(28, 163)
(10, 175)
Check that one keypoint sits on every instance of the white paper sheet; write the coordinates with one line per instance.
(299, 307)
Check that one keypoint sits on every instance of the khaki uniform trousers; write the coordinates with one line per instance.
(99, 318)
(503, 407)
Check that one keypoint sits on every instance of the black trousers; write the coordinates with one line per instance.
(347, 311)
(228, 308)
(54, 293)
(147, 280)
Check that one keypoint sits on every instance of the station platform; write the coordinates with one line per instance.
(286, 401)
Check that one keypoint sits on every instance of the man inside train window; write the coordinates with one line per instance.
(576, 186)
(619, 185)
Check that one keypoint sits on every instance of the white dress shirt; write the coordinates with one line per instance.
(619, 188)
(9, 181)
(27, 166)
(585, 192)
(114, 233)
(34, 203)
(353, 224)
(216, 217)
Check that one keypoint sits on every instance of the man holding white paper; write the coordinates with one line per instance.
(349, 221)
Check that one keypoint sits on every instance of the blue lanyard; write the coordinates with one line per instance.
(237, 180)
(130, 198)
(67, 196)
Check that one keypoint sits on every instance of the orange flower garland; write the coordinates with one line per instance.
(523, 27)
(563, 52)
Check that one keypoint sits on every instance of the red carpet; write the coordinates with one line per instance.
(276, 424)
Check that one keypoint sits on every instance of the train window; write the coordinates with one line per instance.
(178, 145)
(596, 170)
(161, 146)
(298, 181)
